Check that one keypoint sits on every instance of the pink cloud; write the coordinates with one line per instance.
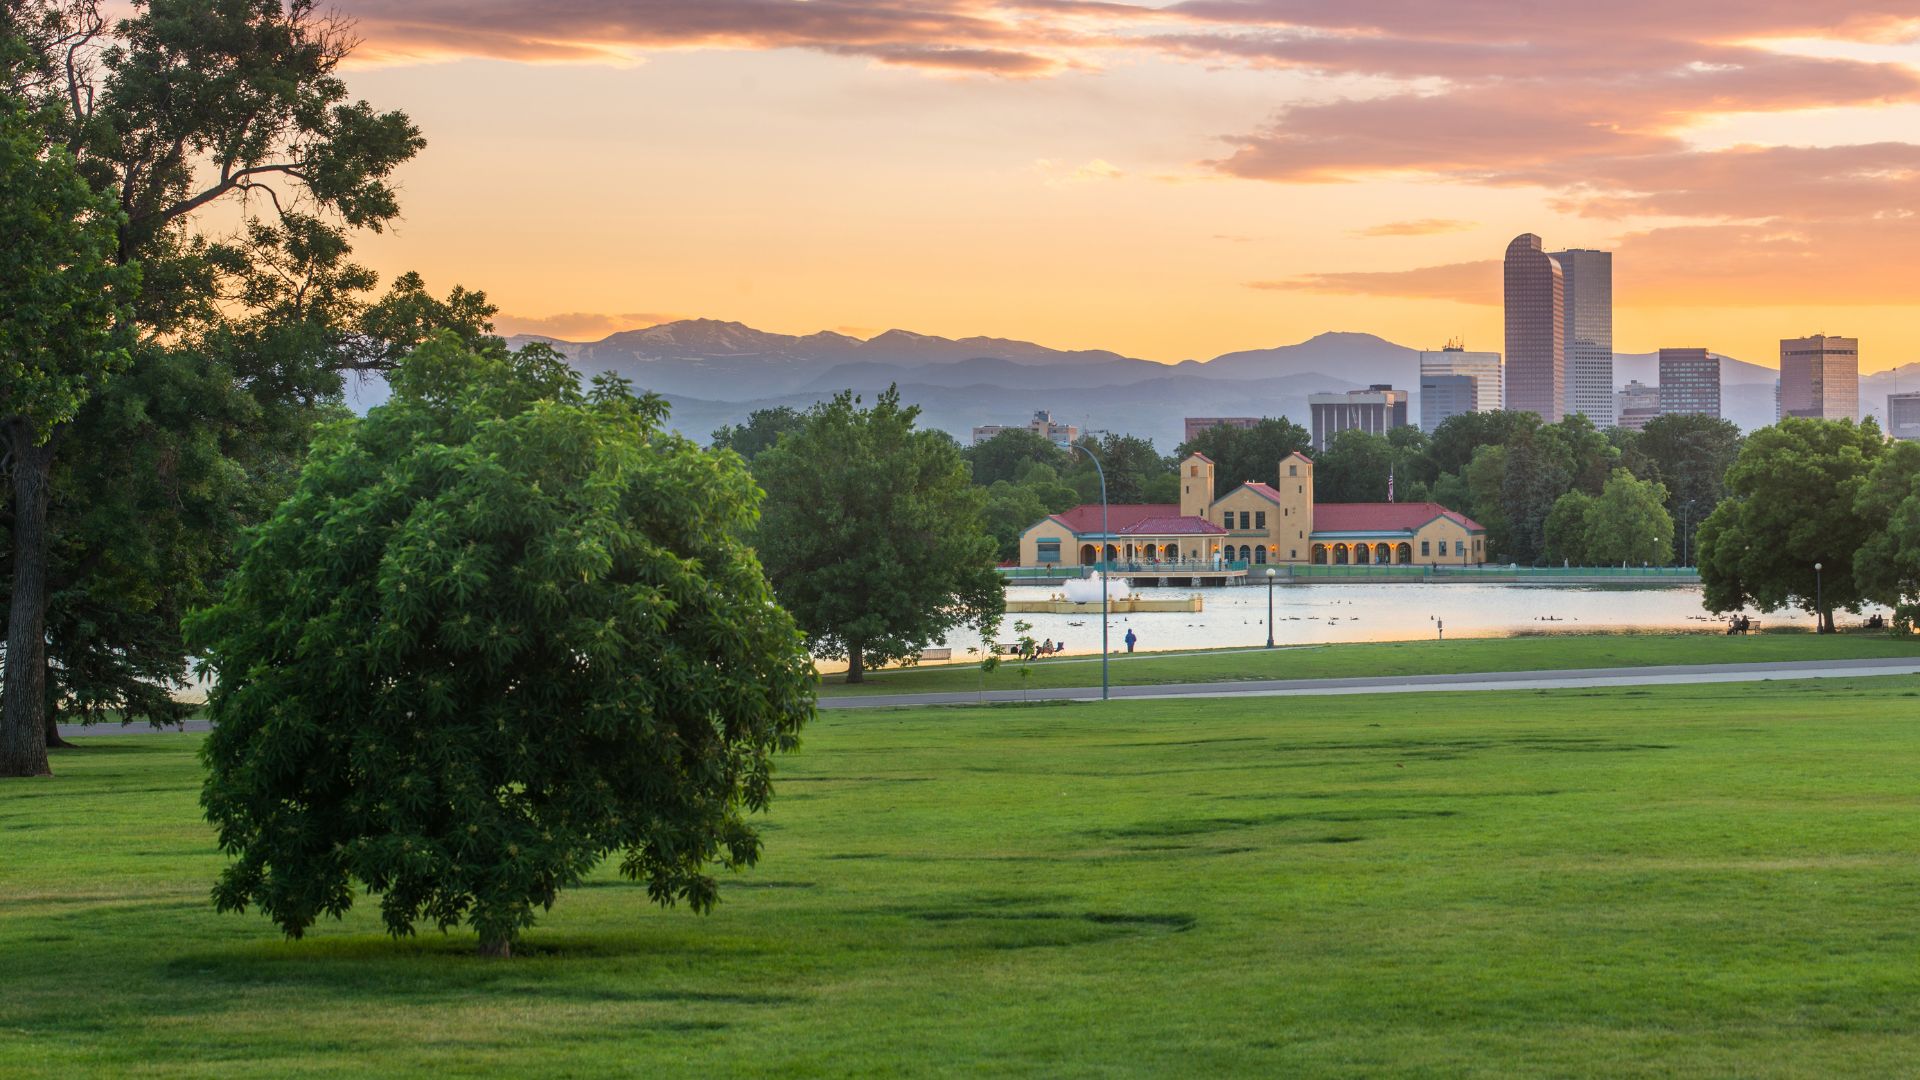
(578, 325)
(1467, 283)
(1421, 227)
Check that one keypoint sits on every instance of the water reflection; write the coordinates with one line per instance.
(1314, 614)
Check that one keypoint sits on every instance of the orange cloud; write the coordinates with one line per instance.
(1466, 283)
(1422, 227)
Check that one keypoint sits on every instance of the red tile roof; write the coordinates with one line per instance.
(1199, 455)
(1384, 517)
(1174, 525)
(1086, 518)
(1259, 488)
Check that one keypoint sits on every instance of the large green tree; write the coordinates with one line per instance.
(64, 311)
(762, 429)
(1455, 441)
(1690, 453)
(1792, 502)
(501, 630)
(188, 114)
(1136, 472)
(1628, 523)
(1566, 530)
(873, 534)
(1008, 455)
(1887, 566)
(1353, 468)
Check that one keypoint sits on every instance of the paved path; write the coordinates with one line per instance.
(1579, 678)
(1572, 679)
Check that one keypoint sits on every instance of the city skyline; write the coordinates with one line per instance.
(1169, 181)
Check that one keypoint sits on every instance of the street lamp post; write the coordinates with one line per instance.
(1819, 606)
(1105, 537)
(1270, 573)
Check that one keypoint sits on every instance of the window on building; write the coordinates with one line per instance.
(1259, 519)
(1424, 548)
(1226, 518)
(1048, 551)
(1459, 547)
(1246, 520)
(1293, 553)
(1193, 470)
(1293, 470)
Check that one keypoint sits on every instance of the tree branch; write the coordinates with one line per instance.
(228, 182)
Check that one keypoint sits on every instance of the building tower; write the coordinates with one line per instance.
(1293, 530)
(1587, 332)
(1483, 368)
(1689, 382)
(1820, 377)
(1536, 330)
(1196, 485)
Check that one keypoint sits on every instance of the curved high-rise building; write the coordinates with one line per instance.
(1536, 334)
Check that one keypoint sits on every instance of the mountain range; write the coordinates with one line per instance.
(715, 373)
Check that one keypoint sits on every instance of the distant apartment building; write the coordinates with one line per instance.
(1903, 416)
(1482, 367)
(1689, 382)
(1635, 404)
(1443, 397)
(1535, 294)
(1042, 424)
(1376, 410)
(1820, 377)
(1198, 424)
(1587, 332)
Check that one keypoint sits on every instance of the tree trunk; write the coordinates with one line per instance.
(1826, 619)
(54, 741)
(496, 949)
(856, 664)
(23, 733)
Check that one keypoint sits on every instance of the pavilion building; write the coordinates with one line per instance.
(1255, 524)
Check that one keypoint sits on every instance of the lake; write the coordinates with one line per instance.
(1399, 611)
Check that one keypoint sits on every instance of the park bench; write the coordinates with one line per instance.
(936, 654)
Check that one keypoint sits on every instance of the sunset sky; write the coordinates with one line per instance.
(1165, 180)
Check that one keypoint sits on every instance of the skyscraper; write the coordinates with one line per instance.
(1482, 367)
(1820, 377)
(1689, 382)
(1587, 332)
(1445, 396)
(1536, 330)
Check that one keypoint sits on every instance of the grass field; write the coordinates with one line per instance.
(1714, 880)
(1542, 653)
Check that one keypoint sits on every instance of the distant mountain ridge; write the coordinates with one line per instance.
(715, 372)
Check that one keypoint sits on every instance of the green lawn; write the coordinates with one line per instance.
(1538, 653)
(1713, 880)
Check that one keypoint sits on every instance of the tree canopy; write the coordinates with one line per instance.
(501, 630)
(762, 429)
(64, 305)
(185, 115)
(1628, 523)
(1247, 455)
(1793, 501)
(873, 533)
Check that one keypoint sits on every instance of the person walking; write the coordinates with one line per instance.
(1130, 639)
